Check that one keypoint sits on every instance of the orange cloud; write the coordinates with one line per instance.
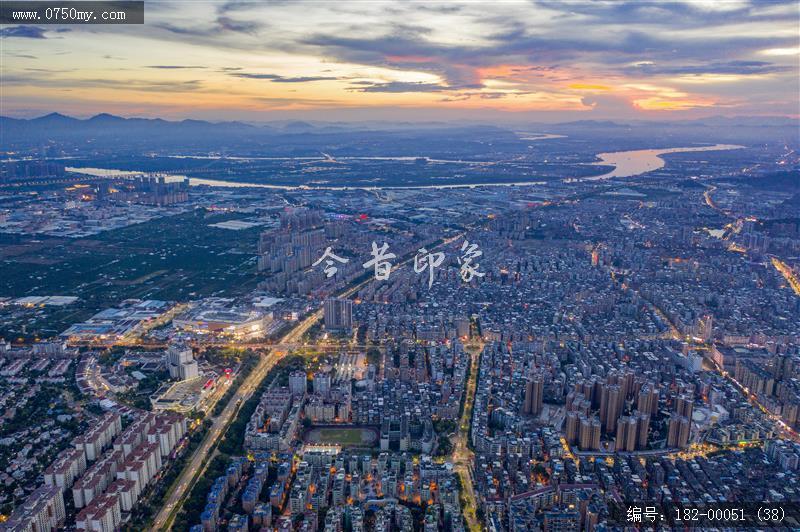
(589, 87)
(659, 104)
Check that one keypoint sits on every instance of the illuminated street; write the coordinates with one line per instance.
(442, 266)
(462, 455)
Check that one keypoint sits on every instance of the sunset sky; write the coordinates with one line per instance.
(360, 60)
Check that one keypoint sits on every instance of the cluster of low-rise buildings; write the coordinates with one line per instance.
(34, 384)
(75, 214)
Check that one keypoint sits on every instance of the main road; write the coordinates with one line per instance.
(462, 455)
(198, 463)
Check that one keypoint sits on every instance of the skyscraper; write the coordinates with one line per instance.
(610, 406)
(626, 434)
(297, 383)
(683, 435)
(596, 428)
(322, 383)
(632, 432)
(684, 406)
(534, 393)
(585, 434)
(622, 428)
(648, 399)
(180, 363)
(642, 428)
(705, 327)
(678, 435)
(572, 425)
(589, 437)
(338, 314)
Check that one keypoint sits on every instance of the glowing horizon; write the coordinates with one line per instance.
(544, 60)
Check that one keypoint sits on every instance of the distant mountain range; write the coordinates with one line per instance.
(59, 124)
(105, 131)
(105, 120)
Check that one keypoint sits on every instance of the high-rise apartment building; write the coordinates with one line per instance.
(181, 363)
(534, 393)
(338, 314)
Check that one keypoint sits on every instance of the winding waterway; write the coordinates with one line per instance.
(626, 164)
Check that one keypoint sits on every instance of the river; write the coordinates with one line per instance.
(626, 164)
(637, 162)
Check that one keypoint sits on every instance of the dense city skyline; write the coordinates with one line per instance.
(380, 266)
